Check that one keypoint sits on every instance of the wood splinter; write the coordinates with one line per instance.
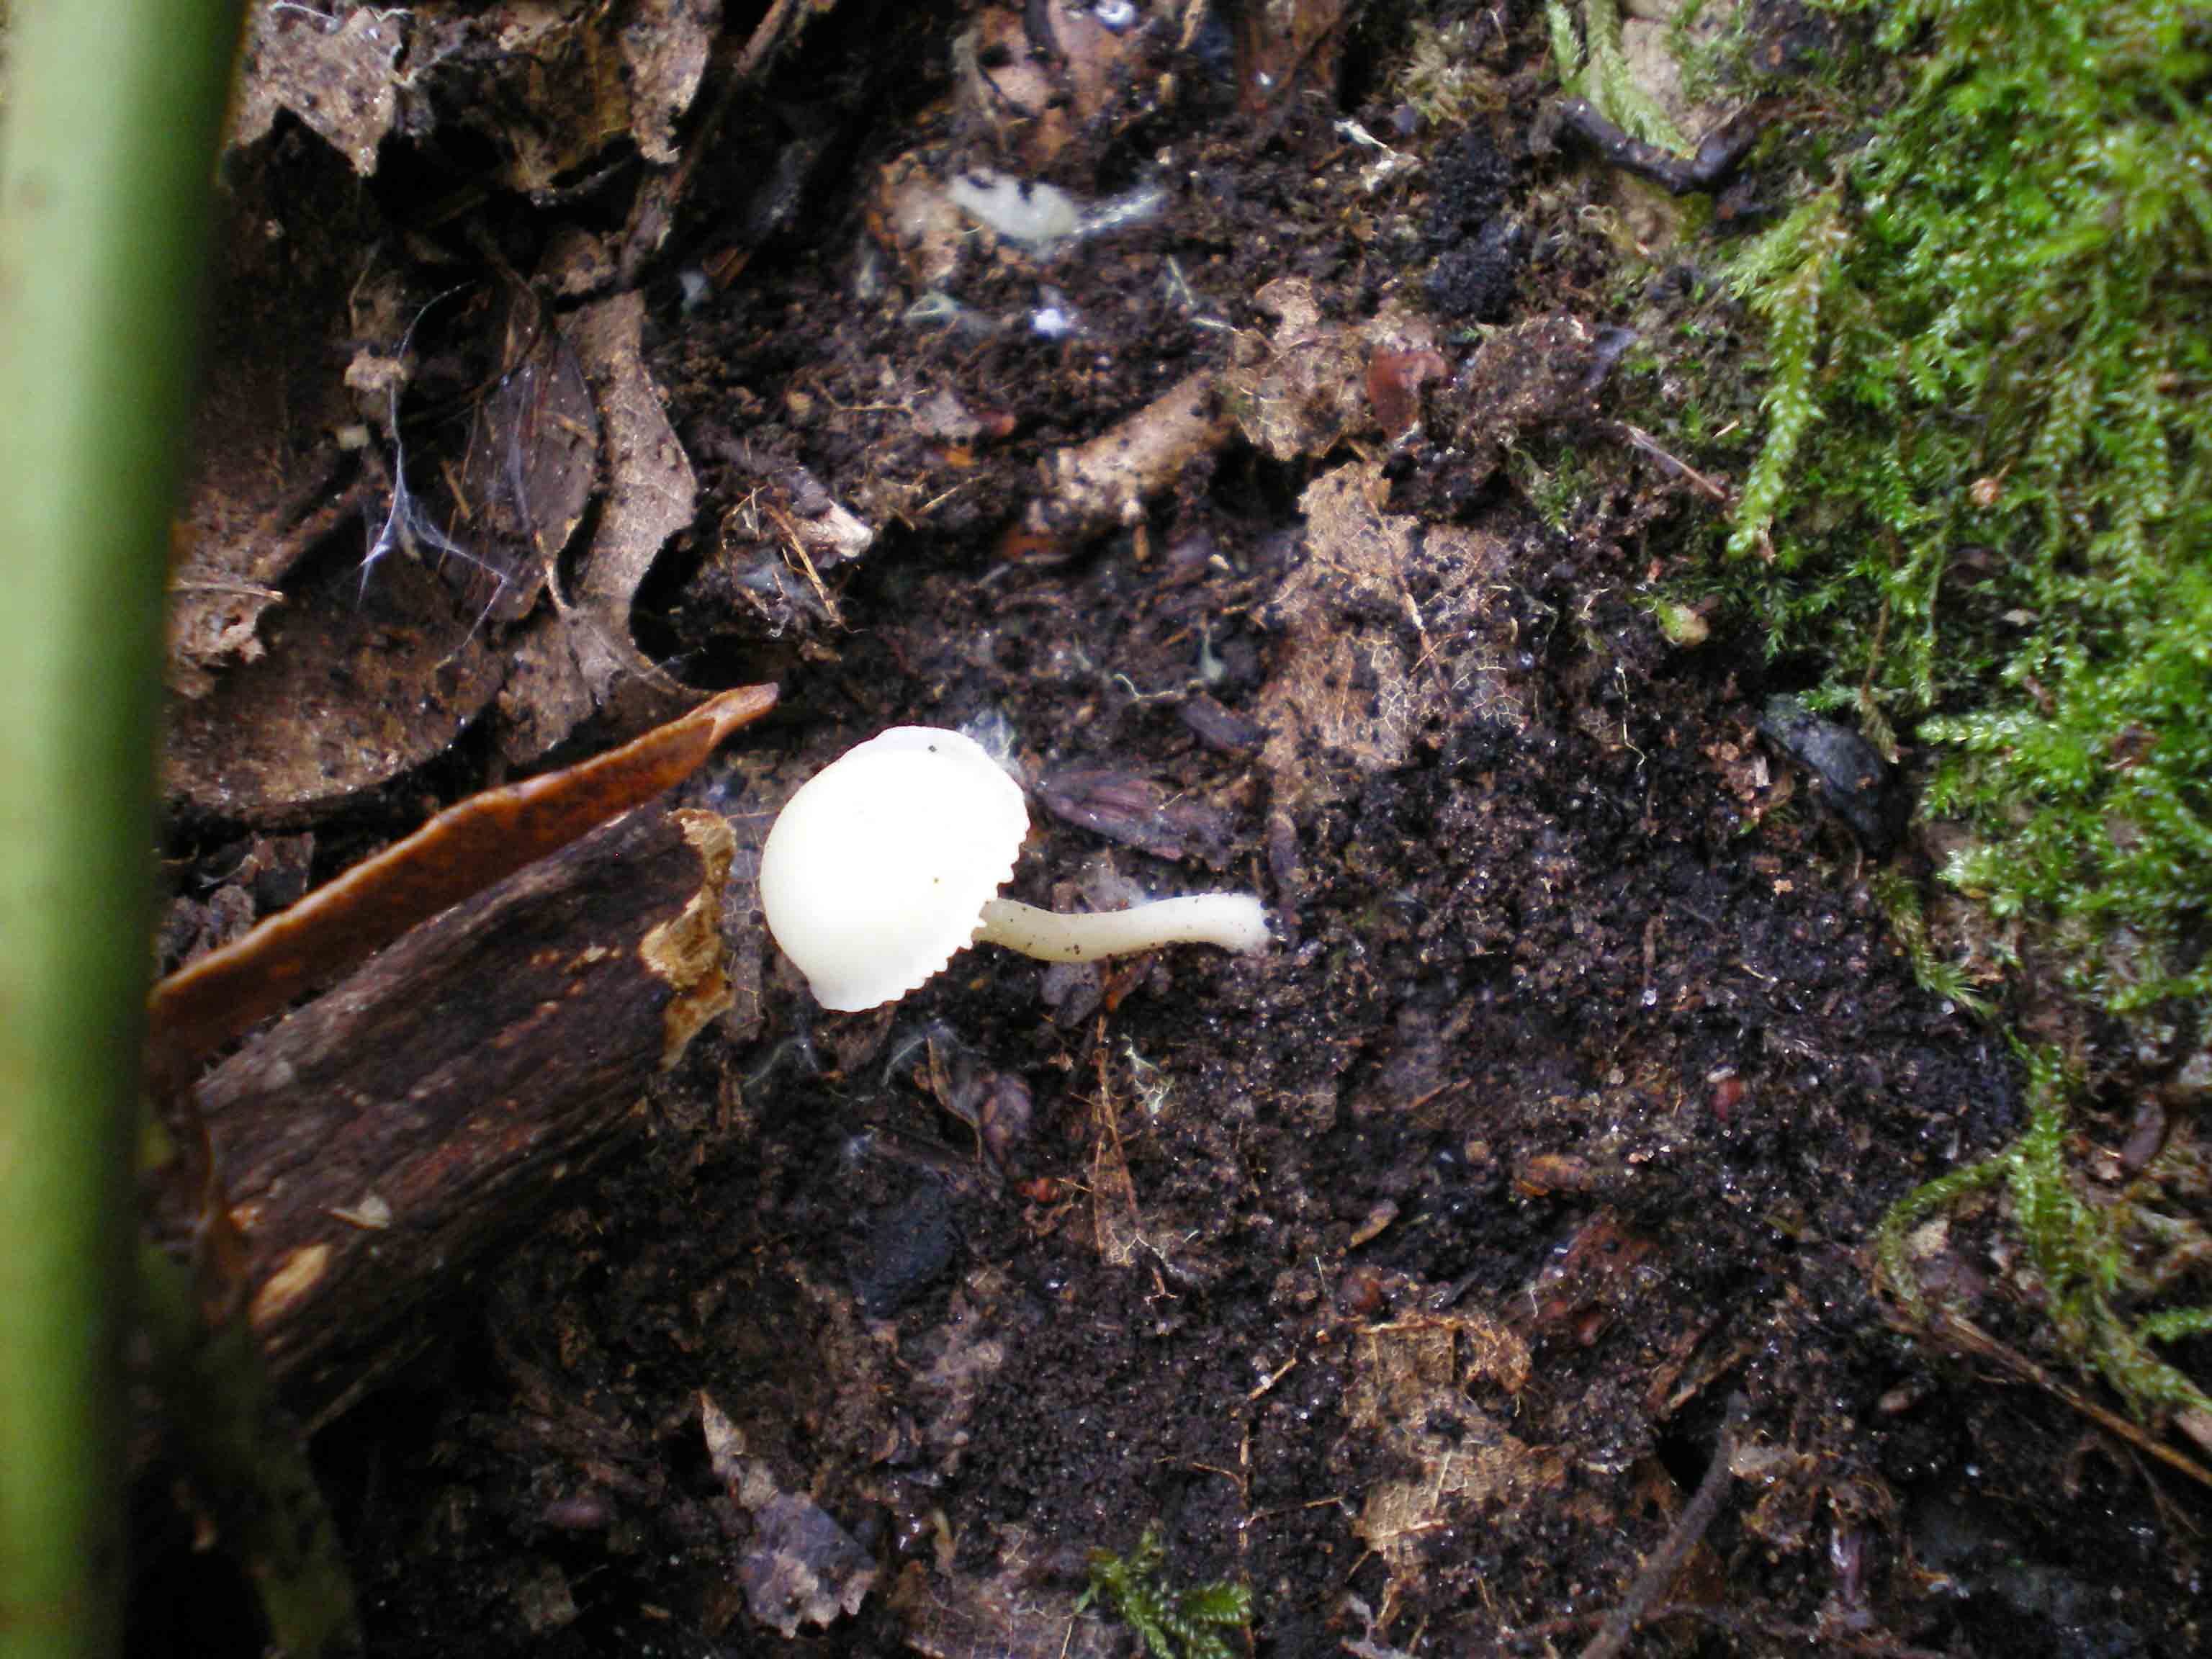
(463, 850)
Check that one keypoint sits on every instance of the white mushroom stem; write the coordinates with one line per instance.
(1235, 921)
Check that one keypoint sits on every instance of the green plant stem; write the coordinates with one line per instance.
(112, 119)
(247, 1462)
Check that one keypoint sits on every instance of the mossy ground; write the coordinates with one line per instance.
(1978, 486)
(1976, 518)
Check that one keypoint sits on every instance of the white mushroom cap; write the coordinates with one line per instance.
(879, 869)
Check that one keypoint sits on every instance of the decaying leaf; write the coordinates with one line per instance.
(784, 534)
(1307, 388)
(554, 84)
(1036, 75)
(336, 75)
(1315, 381)
(1387, 633)
(347, 697)
(1011, 1616)
(1411, 1388)
(582, 659)
(1522, 377)
(800, 1567)
(533, 456)
(268, 479)
(272, 874)
(666, 44)
(1137, 812)
(557, 85)
(1395, 380)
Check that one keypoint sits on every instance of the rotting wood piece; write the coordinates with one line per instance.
(1104, 482)
(463, 850)
(385, 1136)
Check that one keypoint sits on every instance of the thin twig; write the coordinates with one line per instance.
(1969, 1338)
(1718, 155)
(1637, 438)
(1667, 1561)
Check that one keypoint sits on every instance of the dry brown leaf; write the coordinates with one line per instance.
(553, 82)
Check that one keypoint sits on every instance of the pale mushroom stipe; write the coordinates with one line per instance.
(890, 859)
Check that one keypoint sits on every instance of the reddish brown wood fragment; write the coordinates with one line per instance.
(1395, 380)
(461, 851)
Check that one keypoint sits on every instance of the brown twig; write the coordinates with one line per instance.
(1718, 154)
(1970, 1337)
(1666, 1561)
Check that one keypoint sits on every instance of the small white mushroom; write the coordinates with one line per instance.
(891, 858)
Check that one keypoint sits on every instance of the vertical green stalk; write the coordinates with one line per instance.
(112, 117)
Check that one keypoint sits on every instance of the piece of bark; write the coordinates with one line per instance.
(389, 1133)
(459, 853)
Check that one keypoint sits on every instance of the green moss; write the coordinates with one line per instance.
(1935, 973)
(1979, 488)
(1964, 384)
(1556, 479)
(1174, 1623)
(1587, 48)
(2090, 1258)
(1442, 80)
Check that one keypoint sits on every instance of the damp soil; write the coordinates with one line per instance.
(1409, 1271)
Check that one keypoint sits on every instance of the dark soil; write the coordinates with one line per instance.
(1407, 1272)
